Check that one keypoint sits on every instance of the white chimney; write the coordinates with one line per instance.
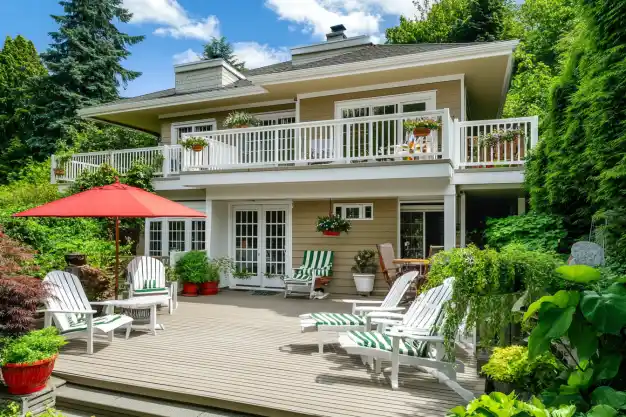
(203, 75)
(336, 33)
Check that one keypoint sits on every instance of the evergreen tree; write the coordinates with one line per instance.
(20, 69)
(486, 21)
(85, 63)
(221, 48)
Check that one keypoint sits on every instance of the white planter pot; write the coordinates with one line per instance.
(364, 282)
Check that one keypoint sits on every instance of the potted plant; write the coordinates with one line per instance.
(27, 361)
(193, 269)
(242, 273)
(194, 143)
(333, 225)
(499, 138)
(61, 159)
(210, 284)
(364, 270)
(240, 119)
(510, 369)
(421, 127)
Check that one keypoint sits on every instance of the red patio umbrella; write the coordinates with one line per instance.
(116, 201)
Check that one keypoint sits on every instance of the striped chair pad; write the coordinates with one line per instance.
(377, 340)
(306, 274)
(151, 291)
(337, 319)
(97, 321)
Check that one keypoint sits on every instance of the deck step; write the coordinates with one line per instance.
(81, 401)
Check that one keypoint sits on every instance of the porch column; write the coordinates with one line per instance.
(521, 205)
(449, 220)
(462, 210)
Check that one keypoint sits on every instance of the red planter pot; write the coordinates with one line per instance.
(190, 289)
(209, 288)
(421, 131)
(197, 148)
(26, 378)
(330, 233)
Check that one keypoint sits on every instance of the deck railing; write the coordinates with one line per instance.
(475, 144)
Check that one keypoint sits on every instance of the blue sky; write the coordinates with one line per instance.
(262, 31)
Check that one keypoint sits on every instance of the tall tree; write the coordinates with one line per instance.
(85, 63)
(20, 70)
(487, 21)
(221, 48)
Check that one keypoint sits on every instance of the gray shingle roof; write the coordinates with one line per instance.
(172, 92)
(364, 54)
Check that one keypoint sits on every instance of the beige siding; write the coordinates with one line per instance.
(189, 81)
(166, 126)
(365, 234)
(323, 108)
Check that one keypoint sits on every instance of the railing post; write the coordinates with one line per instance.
(457, 146)
(447, 136)
(276, 143)
(338, 138)
(165, 151)
(53, 165)
(111, 162)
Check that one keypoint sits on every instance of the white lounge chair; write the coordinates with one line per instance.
(146, 278)
(413, 341)
(72, 312)
(342, 322)
(316, 265)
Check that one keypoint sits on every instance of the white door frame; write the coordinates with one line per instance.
(262, 208)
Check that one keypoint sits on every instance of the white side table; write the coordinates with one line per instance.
(143, 310)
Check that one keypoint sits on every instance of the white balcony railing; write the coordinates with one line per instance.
(376, 138)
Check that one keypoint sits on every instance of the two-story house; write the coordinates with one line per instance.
(331, 140)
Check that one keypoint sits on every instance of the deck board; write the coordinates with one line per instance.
(246, 353)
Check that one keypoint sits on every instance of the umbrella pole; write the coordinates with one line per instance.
(117, 255)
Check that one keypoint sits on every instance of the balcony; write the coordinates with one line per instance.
(466, 145)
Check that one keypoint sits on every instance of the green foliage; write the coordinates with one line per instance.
(582, 274)
(13, 410)
(431, 124)
(586, 326)
(193, 141)
(498, 136)
(333, 223)
(487, 285)
(512, 365)
(221, 48)
(535, 231)
(34, 346)
(240, 119)
(139, 175)
(499, 404)
(365, 262)
(94, 137)
(194, 267)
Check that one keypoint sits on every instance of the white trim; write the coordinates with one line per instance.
(507, 81)
(463, 98)
(331, 45)
(271, 115)
(395, 84)
(483, 50)
(297, 110)
(360, 206)
(192, 124)
(428, 97)
(208, 63)
(463, 214)
(230, 92)
(226, 108)
(398, 229)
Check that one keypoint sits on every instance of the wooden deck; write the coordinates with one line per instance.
(245, 353)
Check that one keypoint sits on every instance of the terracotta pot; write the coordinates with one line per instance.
(190, 289)
(59, 171)
(197, 148)
(240, 126)
(421, 131)
(209, 288)
(330, 233)
(26, 378)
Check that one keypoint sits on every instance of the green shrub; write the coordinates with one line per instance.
(535, 231)
(13, 410)
(194, 267)
(502, 405)
(511, 365)
(34, 346)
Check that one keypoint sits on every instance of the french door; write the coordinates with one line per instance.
(420, 229)
(260, 245)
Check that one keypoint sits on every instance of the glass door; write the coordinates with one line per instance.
(421, 228)
(260, 245)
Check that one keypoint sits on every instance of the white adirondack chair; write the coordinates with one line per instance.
(412, 341)
(146, 278)
(342, 322)
(72, 312)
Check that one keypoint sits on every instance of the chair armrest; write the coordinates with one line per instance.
(362, 301)
(385, 315)
(367, 308)
(390, 322)
(102, 303)
(68, 311)
(421, 338)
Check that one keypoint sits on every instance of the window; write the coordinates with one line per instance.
(364, 211)
(155, 243)
(167, 235)
(198, 235)
(186, 128)
(378, 106)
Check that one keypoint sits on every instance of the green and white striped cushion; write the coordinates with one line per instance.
(315, 262)
(82, 325)
(337, 319)
(381, 341)
(151, 291)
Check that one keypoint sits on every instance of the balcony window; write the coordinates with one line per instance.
(179, 130)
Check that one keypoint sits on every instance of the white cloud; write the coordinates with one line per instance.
(176, 20)
(187, 56)
(256, 55)
(361, 17)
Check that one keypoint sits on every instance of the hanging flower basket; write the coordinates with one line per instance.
(333, 225)
(421, 127)
(59, 171)
(196, 144)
